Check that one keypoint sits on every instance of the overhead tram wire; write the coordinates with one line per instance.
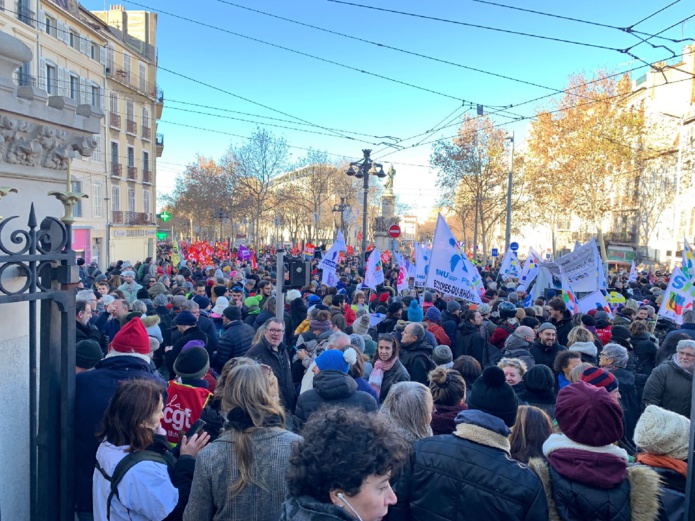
(307, 55)
(654, 13)
(590, 22)
(390, 47)
(477, 26)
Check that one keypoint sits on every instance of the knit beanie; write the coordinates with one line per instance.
(320, 325)
(484, 309)
(493, 395)
(219, 291)
(539, 378)
(220, 305)
(252, 305)
(142, 294)
(384, 297)
(357, 341)
(361, 325)
(292, 295)
(427, 297)
(452, 306)
(442, 355)
(600, 378)
(620, 332)
(433, 315)
(232, 312)
(87, 354)
(132, 338)
(185, 318)
(202, 301)
(335, 360)
(589, 415)
(395, 307)
(160, 300)
(663, 433)
(192, 363)
(415, 312)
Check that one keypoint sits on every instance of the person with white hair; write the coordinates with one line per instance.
(670, 384)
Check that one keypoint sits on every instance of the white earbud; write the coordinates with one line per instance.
(342, 498)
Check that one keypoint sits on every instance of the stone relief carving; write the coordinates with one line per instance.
(28, 144)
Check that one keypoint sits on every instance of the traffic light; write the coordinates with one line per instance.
(164, 216)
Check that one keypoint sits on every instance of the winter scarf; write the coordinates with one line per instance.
(603, 467)
(664, 462)
(376, 378)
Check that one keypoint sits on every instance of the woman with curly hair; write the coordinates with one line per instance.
(321, 489)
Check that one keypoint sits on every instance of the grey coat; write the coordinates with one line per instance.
(216, 470)
(669, 387)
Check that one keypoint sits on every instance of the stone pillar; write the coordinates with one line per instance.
(387, 218)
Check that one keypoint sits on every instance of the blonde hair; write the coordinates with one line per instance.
(406, 406)
(579, 334)
(248, 389)
(259, 335)
(515, 363)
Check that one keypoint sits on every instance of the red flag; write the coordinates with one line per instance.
(350, 250)
(254, 264)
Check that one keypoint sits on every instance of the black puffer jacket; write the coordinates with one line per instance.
(279, 362)
(645, 351)
(543, 354)
(331, 388)
(417, 360)
(450, 478)
(235, 341)
(450, 323)
(669, 387)
(563, 326)
(469, 342)
(394, 375)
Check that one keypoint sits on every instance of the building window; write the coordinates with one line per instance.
(126, 68)
(131, 200)
(116, 198)
(113, 103)
(96, 94)
(129, 110)
(93, 51)
(75, 88)
(114, 153)
(51, 79)
(74, 40)
(110, 59)
(77, 209)
(131, 156)
(51, 26)
(146, 202)
(145, 161)
(143, 77)
(145, 117)
(96, 155)
(97, 200)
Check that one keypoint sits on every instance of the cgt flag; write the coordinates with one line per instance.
(450, 272)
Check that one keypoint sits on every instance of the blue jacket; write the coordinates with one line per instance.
(93, 390)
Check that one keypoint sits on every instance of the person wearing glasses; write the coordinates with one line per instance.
(271, 351)
(670, 384)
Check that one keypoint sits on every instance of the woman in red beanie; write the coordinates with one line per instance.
(586, 476)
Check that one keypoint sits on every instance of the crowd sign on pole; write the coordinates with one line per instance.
(633, 273)
(330, 260)
(422, 262)
(510, 265)
(495, 252)
(688, 260)
(528, 274)
(374, 272)
(450, 271)
(581, 267)
(678, 297)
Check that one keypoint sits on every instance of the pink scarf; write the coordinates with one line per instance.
(376, 377)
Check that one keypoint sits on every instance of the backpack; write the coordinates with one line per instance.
(124, 466)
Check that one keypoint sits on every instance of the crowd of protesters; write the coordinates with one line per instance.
(373, 404)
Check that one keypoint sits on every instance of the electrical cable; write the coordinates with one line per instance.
(653, 14)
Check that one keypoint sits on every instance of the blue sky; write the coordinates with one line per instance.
(332, 96)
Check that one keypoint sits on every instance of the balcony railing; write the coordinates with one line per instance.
(131, 127)
(116, 169)
(147, 176)
(146, 133)
(624, 236)
(114, 120)
(131, 218)
(132, 173)
(160, 140)
(24, 14)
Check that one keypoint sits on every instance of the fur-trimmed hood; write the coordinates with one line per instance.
(644, 490)
(150, 320)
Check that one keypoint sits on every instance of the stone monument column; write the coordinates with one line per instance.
(387, 217)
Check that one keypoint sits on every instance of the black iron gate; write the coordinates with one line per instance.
(37, 264)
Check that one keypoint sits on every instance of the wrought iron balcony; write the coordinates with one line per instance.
(131, 127)
(114, 120)
(146, 133)
(147, 176)
(116, 169)
(132, 173)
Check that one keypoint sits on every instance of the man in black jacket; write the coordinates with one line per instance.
(236, 338)
(187, 329)
(470, 342)
(546, 348)
(451, 319)
(561, 319)
(204, 323)
(83, 329)
(415, 354)
(271, 352)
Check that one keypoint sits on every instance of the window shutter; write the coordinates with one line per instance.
(102, 99)
(42, 20)
(62, 75)
(102, 55)
(42, 73)
(84, 92)
(84, 44)
(60, 30)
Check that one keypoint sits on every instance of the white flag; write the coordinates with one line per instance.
(374, 271)
(450, 272)
(329, 278)
(402, 273)
(330, 259)
(422, 263)
(528, 274)
(594, 301)
(633, 273)
(510, 265)
(678, 297)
